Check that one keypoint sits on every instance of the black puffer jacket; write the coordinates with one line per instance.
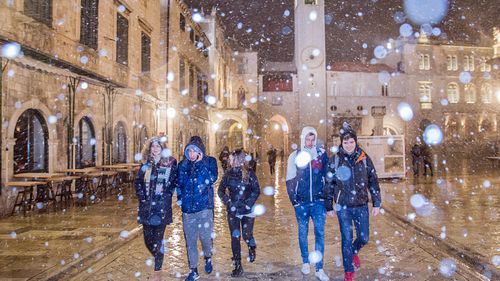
(349, 183)
(242, 196)
(155, 208)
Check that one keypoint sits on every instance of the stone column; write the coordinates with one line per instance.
(378, 113)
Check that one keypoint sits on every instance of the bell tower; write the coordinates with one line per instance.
(311, 66)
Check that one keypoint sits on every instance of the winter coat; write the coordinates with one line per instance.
(242, 196)
(155, 197)
(195, 190)
(271, 155)
(306, 184)
(351, 179)
(416, 153)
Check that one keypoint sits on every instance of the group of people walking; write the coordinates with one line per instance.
(317, 186)
(421, 155)
(192, 180)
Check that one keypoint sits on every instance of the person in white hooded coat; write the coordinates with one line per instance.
(305, 183)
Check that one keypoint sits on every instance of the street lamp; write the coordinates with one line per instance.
(171, 112)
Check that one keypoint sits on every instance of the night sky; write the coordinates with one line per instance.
(349, 25)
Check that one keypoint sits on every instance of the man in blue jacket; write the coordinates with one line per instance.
(197, 174)
(305, 183)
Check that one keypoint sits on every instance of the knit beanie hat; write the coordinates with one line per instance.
(347, 132)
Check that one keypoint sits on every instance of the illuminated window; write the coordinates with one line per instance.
(453, 93)
(424, 90)
(470, 93)
(486, 93)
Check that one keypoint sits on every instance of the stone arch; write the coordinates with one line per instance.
(230, 134)
(277, 134)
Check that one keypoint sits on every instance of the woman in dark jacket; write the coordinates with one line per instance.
(353, 176)
(154, 186)
(238, 190)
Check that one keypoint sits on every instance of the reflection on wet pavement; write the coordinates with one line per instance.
(87, 240)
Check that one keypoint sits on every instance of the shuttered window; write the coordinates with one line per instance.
(122, 39)
(89, 23)
(41, 10)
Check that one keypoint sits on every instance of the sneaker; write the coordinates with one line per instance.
(193, 275)
(356, 261)
(306, 269)
(349, 276)
(321, 275)
(208, 265)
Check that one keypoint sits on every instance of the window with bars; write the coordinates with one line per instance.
(385, 90)
(121, 39)
(469, 63)
(40, 10)
(192, 90)
(86, 144)
(424, 90)
(199, 86)
(31, 150)
(453, 93)
(424, 62)
(145, 52)
(486, 93)
(451, 63)
(89, 23)
(182, 22)
(485, 66)
(182, 74)
(470, 93)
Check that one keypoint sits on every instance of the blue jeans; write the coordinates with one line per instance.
(358, 215)
(317, 212)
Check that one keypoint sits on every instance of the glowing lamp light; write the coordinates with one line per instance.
(171, 112)
(276, 126)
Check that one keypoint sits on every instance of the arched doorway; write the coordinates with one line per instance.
(85, 154)
(276, 134)
(230, 134)
(120, 143)
(31, 150)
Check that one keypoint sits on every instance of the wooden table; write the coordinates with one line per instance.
(62, 185)
(116, 166)
(37, 175)
(26, 189)
(495, 160)
(78, 171)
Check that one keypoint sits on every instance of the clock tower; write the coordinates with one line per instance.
(310, 62)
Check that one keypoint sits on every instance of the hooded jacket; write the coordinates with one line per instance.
(306, 184)
(195, 190)
(242, 196)
(155, 206)
(351, 180)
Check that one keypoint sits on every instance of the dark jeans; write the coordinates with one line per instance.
(317, 212)
(416, 167)
(358, 215)
(153, 238)
(271, 167)
(237, 228)
(428, 164)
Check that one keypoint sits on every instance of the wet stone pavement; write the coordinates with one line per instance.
(103, 242)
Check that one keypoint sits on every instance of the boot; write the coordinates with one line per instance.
(356, 262)
(238, 269)
(349, 276)
(208, 265)
(252, 253)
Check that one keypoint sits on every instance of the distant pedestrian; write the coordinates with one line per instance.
(305, 178)
(238, 190)
(197, 174)
(271, 158)
(427, 158)
(224, 158)
(352, 176)
(416, 155)
(252, 164)
(154, 186)
(282, 156)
